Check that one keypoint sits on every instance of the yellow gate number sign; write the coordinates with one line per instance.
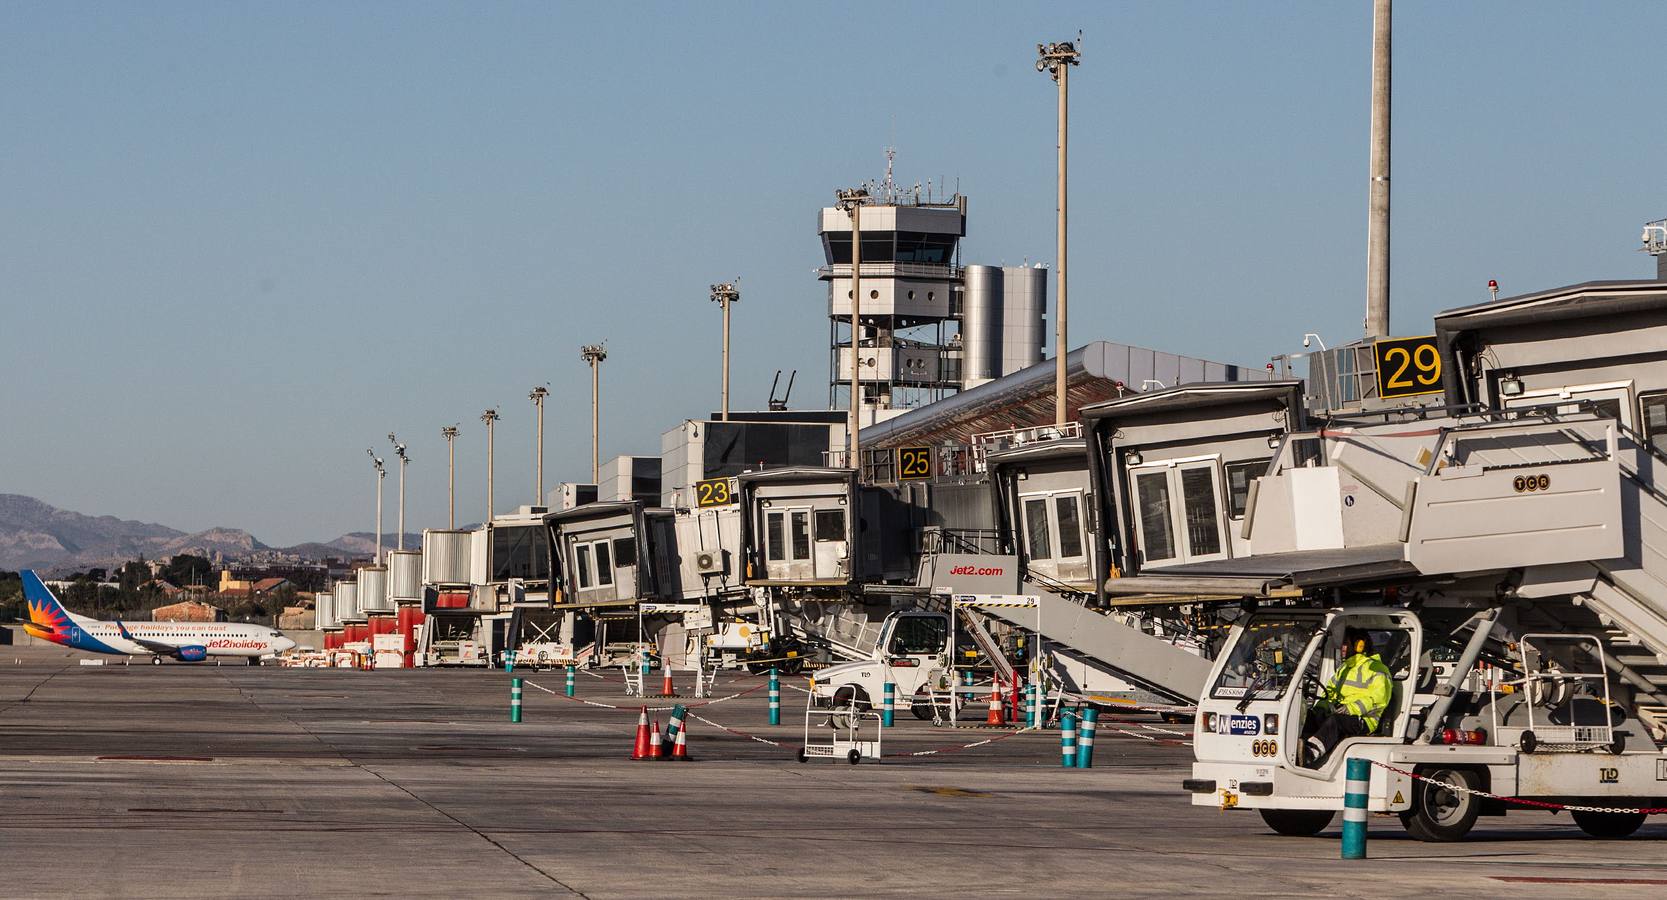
(1407, 367)
(914, 463)
(715, 492)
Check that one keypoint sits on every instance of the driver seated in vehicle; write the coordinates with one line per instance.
(1354, 702)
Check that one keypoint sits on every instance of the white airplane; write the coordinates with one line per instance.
(184, 641)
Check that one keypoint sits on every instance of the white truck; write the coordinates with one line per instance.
(912, 653)
(1485, 706)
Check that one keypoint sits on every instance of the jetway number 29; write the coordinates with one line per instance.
(1407, 366)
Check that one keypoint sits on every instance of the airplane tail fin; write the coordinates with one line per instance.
(44, 609)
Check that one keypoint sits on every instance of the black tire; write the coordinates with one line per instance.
(1298, 822)
(1439, 813)
(853, 757)
(1608, 825)
(921, 705)
(793, 665)
(803, 756)
(1527, 742)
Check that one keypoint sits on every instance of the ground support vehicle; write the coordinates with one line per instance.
(1485, 707)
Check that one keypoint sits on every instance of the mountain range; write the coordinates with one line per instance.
(34, 534)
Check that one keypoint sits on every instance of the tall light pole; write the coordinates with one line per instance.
(399, 451)
(449, 432)
(851, 200)
(725, 295)
(537, 396)
(1057, 59)
(594, 354)
(1377, 200)
(489, 417)
(381, 473)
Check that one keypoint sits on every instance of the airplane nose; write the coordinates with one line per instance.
(285, 643)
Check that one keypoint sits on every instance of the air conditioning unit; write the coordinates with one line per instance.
(711, 562)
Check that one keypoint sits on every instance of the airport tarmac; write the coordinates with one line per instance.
(198, 781)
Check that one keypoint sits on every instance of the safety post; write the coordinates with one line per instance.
(1359, 774)
(1030, 706)
(643, 669)
(515, 699)
(675, 727)
(775, 697)
(1085, 740)
(509, 660)
(888, 712)
(568, 688)
(1013, 699)
(1067, 739)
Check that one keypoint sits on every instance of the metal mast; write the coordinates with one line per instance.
(449, 432)
(490, 416)
(725, 295)
(399, 451)
(1057, 59)
(1377, 224)
(537, 397)
(594, 354)
(381, 473)
(851, 200)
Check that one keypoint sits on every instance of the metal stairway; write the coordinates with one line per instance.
(1171, 672)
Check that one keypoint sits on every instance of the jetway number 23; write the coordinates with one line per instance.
(1407, 366)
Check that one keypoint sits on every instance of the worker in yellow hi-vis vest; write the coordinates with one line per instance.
(1354, 702)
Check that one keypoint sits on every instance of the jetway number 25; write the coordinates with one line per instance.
(1407, 367)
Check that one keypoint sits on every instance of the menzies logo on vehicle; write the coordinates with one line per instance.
(977, 570)
(1239, 724)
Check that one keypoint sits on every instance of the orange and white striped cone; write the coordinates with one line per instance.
(667, 689)
(680, 747)
(641, 749)
(994, 718)
(654, 746)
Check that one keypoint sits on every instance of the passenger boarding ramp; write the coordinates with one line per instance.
(1093, 643)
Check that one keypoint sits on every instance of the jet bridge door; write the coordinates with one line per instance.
(1179, 515)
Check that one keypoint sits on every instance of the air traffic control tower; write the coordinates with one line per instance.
(929, 327)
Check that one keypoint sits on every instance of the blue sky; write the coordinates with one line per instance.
(241, 242)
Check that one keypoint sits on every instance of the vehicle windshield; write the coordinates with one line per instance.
(1264, 658)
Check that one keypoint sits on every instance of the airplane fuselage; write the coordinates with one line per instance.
(216, 638)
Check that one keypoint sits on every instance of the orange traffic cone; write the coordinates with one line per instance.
(666, 687)
(994, 718)
(679, 749)
(641, 749)
(654, 751)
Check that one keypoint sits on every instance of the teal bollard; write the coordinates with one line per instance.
(678, 713)
(1085, 740)
(1068, 740)
(569, 686)
(515, 699)
(775, 697)
(509, 660)
(643, 668)
(888, 713)
(1359, 775)
(1031, 719)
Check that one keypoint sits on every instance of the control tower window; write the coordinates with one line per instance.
(921, 247)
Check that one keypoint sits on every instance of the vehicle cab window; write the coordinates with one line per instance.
(914, 635)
